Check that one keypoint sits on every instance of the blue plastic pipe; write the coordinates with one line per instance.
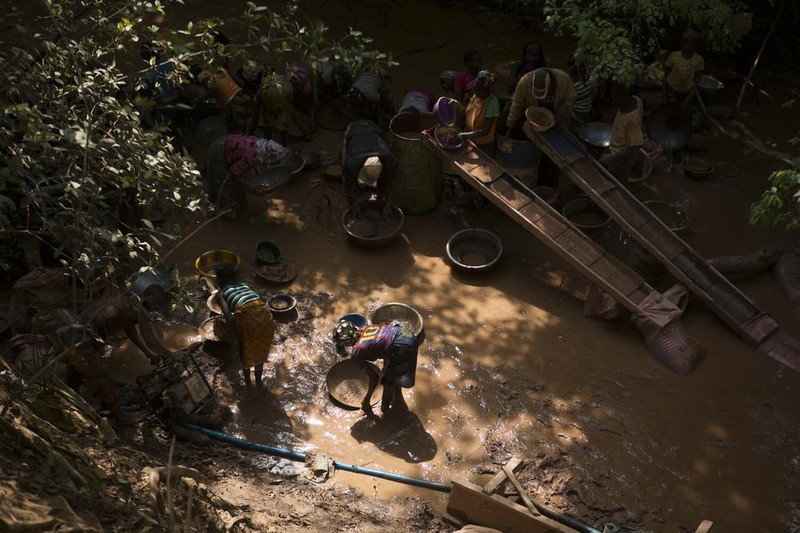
(415, 481)
(301, 457)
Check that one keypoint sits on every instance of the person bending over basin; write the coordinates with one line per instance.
(393, 342)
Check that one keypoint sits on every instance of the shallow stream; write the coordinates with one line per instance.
(509, 366)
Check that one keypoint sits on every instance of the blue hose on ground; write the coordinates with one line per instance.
(574, 523)
(417, 482)
(301, 457)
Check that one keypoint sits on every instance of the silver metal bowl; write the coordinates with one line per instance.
(596, 133)
(474, 249)
(397, 311)
(709, 85)
(282, 304)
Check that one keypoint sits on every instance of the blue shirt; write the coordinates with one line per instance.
(374, 342)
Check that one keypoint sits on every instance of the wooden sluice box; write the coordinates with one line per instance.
(472, 504)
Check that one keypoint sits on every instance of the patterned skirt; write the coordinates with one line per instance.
(222, 187)
(255, 329)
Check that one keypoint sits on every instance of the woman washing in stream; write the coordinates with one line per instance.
(483, 110)
(254, 326)
(227, 178)
(393, 342)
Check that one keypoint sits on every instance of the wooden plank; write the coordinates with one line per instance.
(532, 212)
(653, 234)
(482, 169)
(623, 285)
(583, 248)
(704, 527)
(571, 158)
(782, 347)
(510, 194)
(760, 327)
(521, 491)
(696, 271)
(729, 301)
(501, 476)
(713, 289)
(550, 225)
(586, 176)
(468, 504)
(634, 214)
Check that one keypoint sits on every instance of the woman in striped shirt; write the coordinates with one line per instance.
(582, 109)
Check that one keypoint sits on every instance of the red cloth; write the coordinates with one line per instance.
(463, 84)
(241, 153)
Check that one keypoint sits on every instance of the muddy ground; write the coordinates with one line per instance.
(509, 366)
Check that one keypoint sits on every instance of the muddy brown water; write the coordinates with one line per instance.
(509, 366)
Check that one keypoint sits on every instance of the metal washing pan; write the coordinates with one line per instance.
(347, 384)
(596, 133)
(670, 126)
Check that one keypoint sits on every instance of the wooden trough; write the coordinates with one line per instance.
(483, 506)
(471, 504)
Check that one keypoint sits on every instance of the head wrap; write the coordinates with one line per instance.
(372, 170)
(447, 79)
(251, 70)
(344, 334)
(541, 83)
(448, 75)
(484, 79)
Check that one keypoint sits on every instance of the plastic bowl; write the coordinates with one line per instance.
(268, 252)
(397, 311)
(474, 249)
(357, 319)
(697, 169)
(727, 170)
(540, 118)
(207, 261)
(444, 111)
(282, 304)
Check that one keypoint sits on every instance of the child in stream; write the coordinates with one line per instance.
(396, 344)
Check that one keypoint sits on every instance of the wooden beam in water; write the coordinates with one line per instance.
(469, 504)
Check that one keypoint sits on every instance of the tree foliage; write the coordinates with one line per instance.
(73, 143)
(615, 37)
(779, 205)
(616, 34)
